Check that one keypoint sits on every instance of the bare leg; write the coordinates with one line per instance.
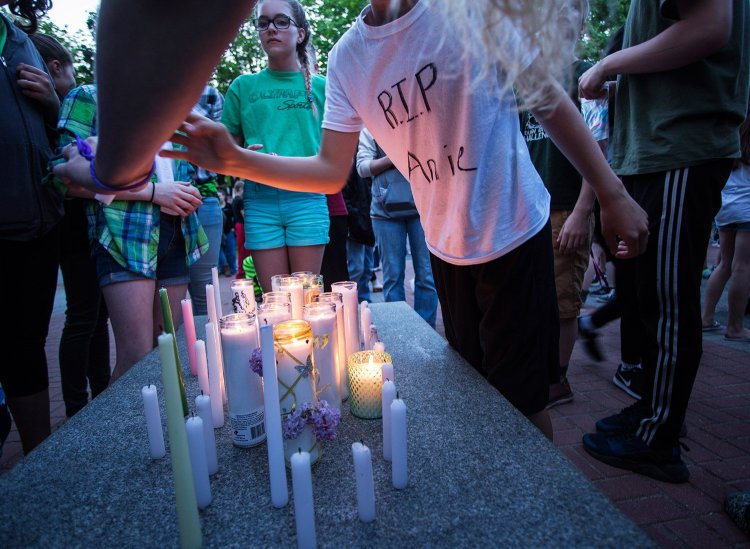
(176, 294)
(306, 258)
(31, 414)
(719, 277)
(130, 306)
(542, 421)
(739, 287)
(269, 263)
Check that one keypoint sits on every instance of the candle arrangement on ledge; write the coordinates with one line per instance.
(313, 362)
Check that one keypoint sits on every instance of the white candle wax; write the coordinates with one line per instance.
(304, 510)
(243, 296)
(366, 323)
(203, 406)
(187, 506)
(378, 346)
(270, 314)
(297, 291)
(389, 394)
(239, 338)
(202, 365)
(217, 291)
(213, 318)
(348, 291)
(399, 469)
(197, 447)
(322, 319)
(364, 480)
(189, 323)
(276, 281)
(335, 298)
(387, 371)
(304, 391)
(217, 407)
(276, 463)
(153, 422)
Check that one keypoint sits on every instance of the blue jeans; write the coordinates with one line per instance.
(391, 236)
(359, 263)
(228, 254)
(212, 222)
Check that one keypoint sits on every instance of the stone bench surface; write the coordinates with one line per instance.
(479, 473)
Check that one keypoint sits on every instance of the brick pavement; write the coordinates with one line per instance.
(689, 515)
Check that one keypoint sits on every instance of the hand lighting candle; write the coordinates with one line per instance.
(348, 291)
(239, 338)
(189, 323)
(336, 299)
(243, 295)
(153, 422)
(365, 381)
(322, 319)
(364, 480)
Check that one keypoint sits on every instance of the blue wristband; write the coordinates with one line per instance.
(85, 151)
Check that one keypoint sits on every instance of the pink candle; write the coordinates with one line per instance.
(187, 319)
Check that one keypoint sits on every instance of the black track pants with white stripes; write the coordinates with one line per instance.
(680, 205)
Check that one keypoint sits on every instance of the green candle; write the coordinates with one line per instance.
(184, 489)
(169, 328)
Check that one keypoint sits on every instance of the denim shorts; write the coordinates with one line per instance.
(742, 227)
(171, 264)
(276, 218)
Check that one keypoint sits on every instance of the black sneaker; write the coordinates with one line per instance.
(631, 453)
(590, 343)
(630, 380)
(625, 422)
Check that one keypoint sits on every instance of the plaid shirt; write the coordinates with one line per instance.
(127, 229)
(210, 105)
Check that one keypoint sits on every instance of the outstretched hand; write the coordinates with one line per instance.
(624, 225)
(206, 144)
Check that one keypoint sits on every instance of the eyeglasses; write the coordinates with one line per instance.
(280, 22)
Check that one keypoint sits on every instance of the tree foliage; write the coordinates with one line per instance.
(605, 17)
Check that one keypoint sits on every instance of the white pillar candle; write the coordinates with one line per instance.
(203, 406)
(217, 291)
(213, 318)
(197, 447)
(389, 394)
(270, 314)
(202, 361)
(239, 338)
(276, 463)
(378, 346)
(243, 296)
(187, 506)
(217, 407)
(304, 510)
(189, 323)
(399, 469)
(348, 291)
(295, 286)
(387, 371)
(366, 323)
(153, 422)
(337, 300)
(365, 484)
(322, 319)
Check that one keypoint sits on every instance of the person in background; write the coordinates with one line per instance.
(360, 239)
(228, 255)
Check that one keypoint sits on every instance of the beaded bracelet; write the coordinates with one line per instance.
(85, 151)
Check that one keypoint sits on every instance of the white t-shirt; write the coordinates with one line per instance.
(459, 145)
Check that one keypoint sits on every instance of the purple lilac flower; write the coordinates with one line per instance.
(325, 419)
(256, 361)
(293, 424)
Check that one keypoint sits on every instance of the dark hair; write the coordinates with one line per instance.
(31, 11)
(299, 16)
(50, 49)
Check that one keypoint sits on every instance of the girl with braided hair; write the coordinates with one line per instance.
(281, 108)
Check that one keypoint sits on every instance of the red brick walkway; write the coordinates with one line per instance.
(689, 515)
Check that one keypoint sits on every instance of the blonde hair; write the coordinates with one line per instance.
(512, 33)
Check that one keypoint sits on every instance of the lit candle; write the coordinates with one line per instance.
(203, 406)
(217, 406)
(277, 297)
(399, 467)
(213, 318)
(270, 314)
(366, 324)
(364, 480)
(389, 394)
(243, 295)
(338, 302)
(295, 286)
(166, 312)
(197, 447)
(187, 506)
(322, 319)
(276, 463)
(387, 369)
(276, 281)
(348, 291)
(239, 337)
(153, 422)
(378, 346)
(202, 360)
(189, 323)
(217, 291)
(304, 510)
(365, 381)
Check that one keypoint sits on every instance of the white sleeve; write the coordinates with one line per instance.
(339, 115)
(366, 153)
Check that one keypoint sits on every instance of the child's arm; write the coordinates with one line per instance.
(574, 233)
(621, 217)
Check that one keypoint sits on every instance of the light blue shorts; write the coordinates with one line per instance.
(276, 218)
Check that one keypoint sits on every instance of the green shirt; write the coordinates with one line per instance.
(686, 116)
(3, 33)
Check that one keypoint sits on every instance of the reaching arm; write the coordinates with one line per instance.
(155, 76)
(211, 146)
(702, 28)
